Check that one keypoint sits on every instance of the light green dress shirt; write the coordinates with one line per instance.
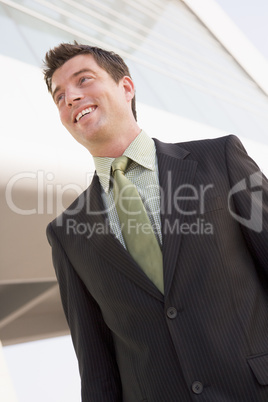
(143, 172)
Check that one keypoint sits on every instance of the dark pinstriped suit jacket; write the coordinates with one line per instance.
(207, 338)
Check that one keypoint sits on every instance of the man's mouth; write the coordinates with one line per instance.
(84, 112)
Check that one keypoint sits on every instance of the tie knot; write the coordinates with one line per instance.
(120, 163)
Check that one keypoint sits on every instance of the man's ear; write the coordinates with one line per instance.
(129, 87)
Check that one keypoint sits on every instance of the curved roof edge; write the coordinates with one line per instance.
(232, 38)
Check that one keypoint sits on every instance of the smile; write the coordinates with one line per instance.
(84, 112)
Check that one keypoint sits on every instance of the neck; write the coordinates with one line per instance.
(114, 149)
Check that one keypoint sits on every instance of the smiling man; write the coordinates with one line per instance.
(93, 106)
(158, 309)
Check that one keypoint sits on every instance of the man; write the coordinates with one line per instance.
(203, 335)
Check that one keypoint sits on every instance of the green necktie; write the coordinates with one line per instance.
(136, 228)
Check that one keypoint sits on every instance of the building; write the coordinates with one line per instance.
(196, 77)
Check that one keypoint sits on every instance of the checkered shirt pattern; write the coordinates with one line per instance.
(143, 172)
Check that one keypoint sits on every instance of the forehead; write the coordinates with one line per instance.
(71, 68)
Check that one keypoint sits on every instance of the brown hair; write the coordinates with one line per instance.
(111, 62)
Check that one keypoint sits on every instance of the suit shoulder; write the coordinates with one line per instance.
(218, 142)
(212, 148)
(217, 145)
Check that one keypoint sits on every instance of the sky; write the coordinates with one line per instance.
(50, 365)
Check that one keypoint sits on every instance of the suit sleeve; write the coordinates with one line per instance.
(249, 193)
(93, 343)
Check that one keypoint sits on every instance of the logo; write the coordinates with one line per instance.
(255, 221)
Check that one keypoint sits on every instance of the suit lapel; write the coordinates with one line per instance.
(107, 245)
(174, 171)
(176, 175)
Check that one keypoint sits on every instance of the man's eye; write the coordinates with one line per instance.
(84, 79)
(60, 97)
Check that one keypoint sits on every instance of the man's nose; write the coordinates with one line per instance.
(72, 96)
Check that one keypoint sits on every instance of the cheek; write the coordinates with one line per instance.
(64, 117)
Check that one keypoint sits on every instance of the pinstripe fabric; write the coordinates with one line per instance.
(207, 338)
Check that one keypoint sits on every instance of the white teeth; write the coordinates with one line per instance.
(85, 111)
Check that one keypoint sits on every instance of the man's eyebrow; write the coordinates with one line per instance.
(83, 70)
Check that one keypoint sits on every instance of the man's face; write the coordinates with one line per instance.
(91, 104)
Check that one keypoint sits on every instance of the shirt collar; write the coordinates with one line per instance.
(141, 151)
